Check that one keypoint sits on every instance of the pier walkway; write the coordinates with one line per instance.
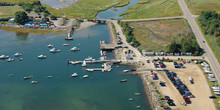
(94, 61)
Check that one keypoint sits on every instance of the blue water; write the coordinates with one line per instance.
(111, 14)
(101, 91)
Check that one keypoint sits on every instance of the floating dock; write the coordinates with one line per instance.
(94, 61)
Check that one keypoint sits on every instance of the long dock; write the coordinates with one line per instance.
(94, 61)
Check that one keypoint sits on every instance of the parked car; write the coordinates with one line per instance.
(212, 97)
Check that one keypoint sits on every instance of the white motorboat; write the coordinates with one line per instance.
(66, 44)
(34, 82)
(42, 57)
(130, 99)
(10, 60)
(84, 63)
(123, 80)
(49, 76)
(49, 46)
(215, 87)
(89, 59)
(90, 70)
(74, 75)
(125, 71)
(86, 76)
(21, 59)
(17, 54)
(54, 50)
(74, 49)
(4, 57)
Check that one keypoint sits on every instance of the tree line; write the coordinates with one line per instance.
(128, 31)
(209, 21)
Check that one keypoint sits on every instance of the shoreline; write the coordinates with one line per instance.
(83, 25)
(151, 95)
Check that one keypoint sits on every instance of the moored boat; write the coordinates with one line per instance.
(34, 82)
(74, 49)
(17, 54)
(123, 80)
(65, 44)
(10, 60)
(28, 77)
(49, 76)
(49, 46)
(4, 57)
(54, 50)
(89, 59)
(125, 71)
(137, 93)
(74, 75)
(42, 57)
(84, 63)
(86, 76)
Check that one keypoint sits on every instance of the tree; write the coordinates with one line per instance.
(52, 17)
(21, 17)
(218, 41)
(174, 47)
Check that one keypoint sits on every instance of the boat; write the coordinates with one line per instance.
(85, 76)
(137, 93)
(215, 87)
(34, 82)
(66, 44)
(10, 60)
(11, 75)
(125, 71)
(74, 49)
(21, 59)
(123, 80)
(28, 77)
(69, 37)
(90, 70)
(138, 106)
(84, 63)
(54, 50)
(4, 57)
(130, 99)
(74, 75)
(17, 54)
(42, 56)
(49, 46)
(89, 59)
(49, 76)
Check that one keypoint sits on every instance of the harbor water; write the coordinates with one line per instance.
(114, 12)
(100, 91)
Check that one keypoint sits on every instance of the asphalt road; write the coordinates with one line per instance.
(209, 56)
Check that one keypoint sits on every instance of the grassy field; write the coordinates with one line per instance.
(197, 6)
(156, 35)
(17, 1)
(26, 30)
(122, 3)
(9, 10)
(154, 8)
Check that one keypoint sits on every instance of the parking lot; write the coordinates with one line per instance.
(199, 89)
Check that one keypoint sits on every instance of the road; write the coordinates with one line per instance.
(209, 56)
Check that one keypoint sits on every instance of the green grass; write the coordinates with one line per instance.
(9, 10)
(211, 40)
(26, 30)
(197, 6)
(122, 3)
(156, 35)
(155, 8)
(143, 1)
(17, 1)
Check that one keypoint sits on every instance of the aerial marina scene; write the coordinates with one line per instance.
(109, 55)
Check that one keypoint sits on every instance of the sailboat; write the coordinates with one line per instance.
(69, 37)
(84, 63)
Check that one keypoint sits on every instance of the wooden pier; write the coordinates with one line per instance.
(94, 61)
(106, 47)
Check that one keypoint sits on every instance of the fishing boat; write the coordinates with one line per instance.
(10, 60)
(84, 63)
(85, 76)
(17, 54)
(4, 57)
(28, 77)
(74, 49)
(42, 57)
(54, 50)
(138, 106)
(34, 82)
(74, 75)
(123, 80)
(49, 46)
(66, 44)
